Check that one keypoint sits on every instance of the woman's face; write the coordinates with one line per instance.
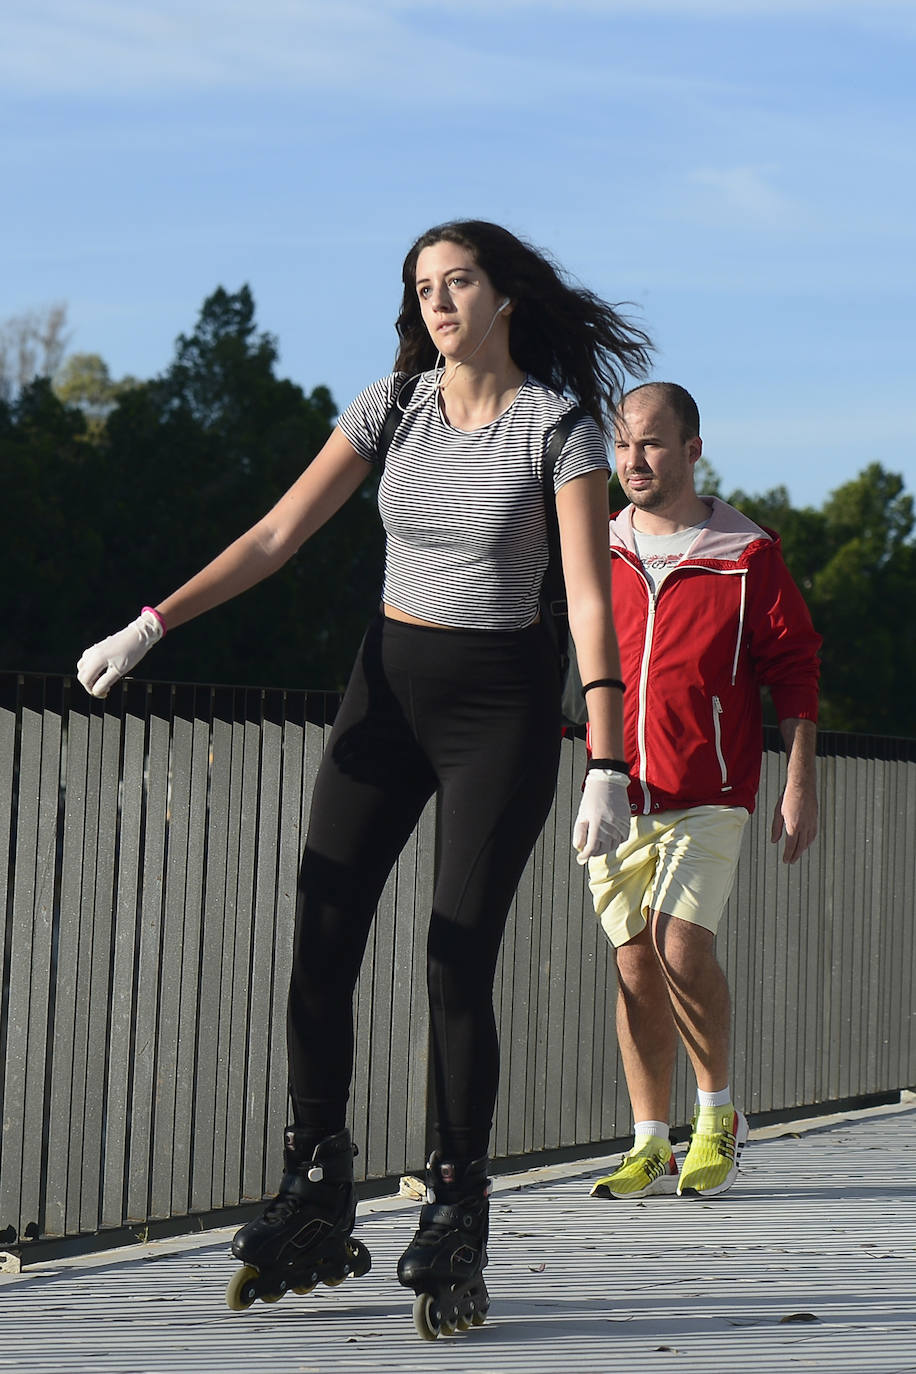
(458, 302)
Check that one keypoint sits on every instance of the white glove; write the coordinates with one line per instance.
(603, 821)
(103, 664)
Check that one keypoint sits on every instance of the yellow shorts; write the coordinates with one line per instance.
(679, 862)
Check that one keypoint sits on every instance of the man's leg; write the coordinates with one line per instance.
(701, 1010)
(697, 993)
(646, 1031)
(647, 1037)
(646, 1028)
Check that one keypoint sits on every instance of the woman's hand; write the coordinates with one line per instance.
(105, 663)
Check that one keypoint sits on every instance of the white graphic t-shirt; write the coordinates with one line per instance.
(660, 553)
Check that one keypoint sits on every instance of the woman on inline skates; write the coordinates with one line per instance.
(455, 691)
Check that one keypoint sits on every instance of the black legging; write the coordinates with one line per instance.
(474, 716)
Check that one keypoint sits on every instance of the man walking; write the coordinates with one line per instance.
(706, 614)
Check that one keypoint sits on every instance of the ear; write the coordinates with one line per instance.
(694, 448)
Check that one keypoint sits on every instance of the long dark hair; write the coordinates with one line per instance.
(563, 335)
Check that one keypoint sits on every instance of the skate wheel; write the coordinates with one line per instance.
(449, 1325)
(426, 1317)
(334, 1282)
(240, 1291)
(304, 1289)
(271, 1297)
(464, 1321)
(477, 1317)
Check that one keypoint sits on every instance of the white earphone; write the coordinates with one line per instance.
(501, 307)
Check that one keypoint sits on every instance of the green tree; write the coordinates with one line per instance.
(48, 539)
(855, 561)
(177, 468)
(862, 599)
(196, 456)
(84, 380)
(706, 480)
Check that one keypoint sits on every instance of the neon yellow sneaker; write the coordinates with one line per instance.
(711, 1163)
(642, 1173)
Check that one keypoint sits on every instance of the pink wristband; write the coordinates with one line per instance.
(152, 610)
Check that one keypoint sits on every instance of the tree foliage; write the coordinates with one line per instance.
(84, 380)
(185, 463)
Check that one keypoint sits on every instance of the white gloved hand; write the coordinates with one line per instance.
(603, 821)
(103, 664)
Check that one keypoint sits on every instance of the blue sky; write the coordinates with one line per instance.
(743, 171)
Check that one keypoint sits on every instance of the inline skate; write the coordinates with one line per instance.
(303, 1237)
(444, 1262)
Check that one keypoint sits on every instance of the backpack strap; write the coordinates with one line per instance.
(554, 608)
(392, 421)
(554, 588)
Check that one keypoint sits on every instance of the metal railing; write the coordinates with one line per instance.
(153, 844)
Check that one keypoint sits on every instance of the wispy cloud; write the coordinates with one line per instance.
(106, 47)
(743, 195)
(103, 47)
(691, 9)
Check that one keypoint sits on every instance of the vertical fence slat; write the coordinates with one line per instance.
(103, 791)
(266, 991)
(209, 1187)
(65, 1104)
(148, 1171)
(289, 854)
(247, 999)
(30, 962)
(9, 715)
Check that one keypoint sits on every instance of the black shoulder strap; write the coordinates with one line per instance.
(392, 420)
(554, 609)
(561, 432)
(554, 588)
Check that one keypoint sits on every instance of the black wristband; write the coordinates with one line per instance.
(604, 682)
(616, 765)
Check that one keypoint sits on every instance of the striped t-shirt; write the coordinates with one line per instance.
(464, 510)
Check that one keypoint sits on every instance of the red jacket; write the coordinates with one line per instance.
(728, 620)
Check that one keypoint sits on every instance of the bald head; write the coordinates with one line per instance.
(678, 400)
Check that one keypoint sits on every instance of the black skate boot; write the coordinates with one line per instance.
(443, 1263)
(303, 1237)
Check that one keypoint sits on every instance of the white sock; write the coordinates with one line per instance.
(642, 1130)
(719, 1099)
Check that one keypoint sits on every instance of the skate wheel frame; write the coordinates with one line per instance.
(431, 1321)
(245, 1287)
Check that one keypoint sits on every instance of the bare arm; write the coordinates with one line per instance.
(332, 476)
(796, 810)
(582, 514)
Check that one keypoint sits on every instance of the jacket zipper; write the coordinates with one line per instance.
(644, 677)
(643, 687)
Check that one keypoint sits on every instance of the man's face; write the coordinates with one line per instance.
(654, 464)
